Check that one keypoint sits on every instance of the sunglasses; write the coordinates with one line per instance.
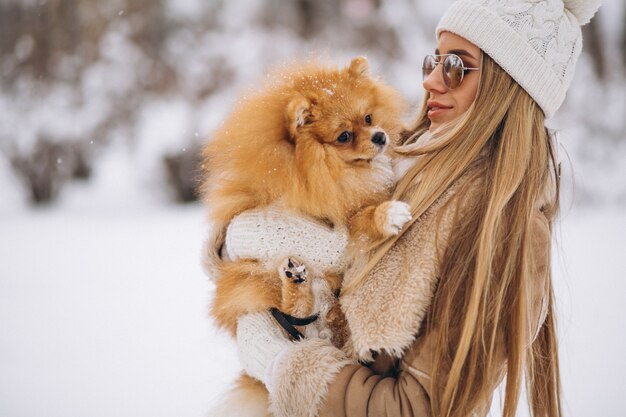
(453, 69)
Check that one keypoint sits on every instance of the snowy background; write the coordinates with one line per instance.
(103, 105)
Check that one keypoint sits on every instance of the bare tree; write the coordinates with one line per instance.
(183, 173)
(50, 165)
(595, 47)
(622, 48)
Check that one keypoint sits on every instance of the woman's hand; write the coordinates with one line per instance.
(259, 342)
(296, 374)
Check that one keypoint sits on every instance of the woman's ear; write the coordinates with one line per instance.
(298, 110)
(359, 67)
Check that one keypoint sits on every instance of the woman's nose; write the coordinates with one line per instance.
(434, 81)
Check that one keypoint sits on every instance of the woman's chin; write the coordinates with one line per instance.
(443, 124)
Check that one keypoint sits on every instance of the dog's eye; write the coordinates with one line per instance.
(368, 119)
(344, 137)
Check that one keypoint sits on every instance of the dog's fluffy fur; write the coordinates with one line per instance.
(283, 144)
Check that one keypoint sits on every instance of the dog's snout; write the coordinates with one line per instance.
(379, 138)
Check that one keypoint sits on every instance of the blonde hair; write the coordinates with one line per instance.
(481, 301)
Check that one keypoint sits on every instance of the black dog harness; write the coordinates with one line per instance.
(287, 322)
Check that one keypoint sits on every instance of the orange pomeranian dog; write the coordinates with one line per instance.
(314, 142)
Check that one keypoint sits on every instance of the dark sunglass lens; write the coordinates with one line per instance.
(453, 71)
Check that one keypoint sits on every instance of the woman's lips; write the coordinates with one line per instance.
(436, 108)
(436, 111)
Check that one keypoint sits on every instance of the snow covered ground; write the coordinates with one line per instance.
(590, 269)
(103, 303)
(103, 312)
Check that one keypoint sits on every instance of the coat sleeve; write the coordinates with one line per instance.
(358, 392)
(315, 379)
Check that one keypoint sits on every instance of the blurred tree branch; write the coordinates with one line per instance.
(594, 46)
(623, 42)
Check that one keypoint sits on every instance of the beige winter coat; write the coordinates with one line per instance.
(385, 314)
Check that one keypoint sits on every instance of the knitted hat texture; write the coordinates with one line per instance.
(537, 42)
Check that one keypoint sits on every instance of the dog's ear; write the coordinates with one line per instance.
(359, 67)
(298, 114)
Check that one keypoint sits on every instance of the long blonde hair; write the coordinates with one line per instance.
(482, 299)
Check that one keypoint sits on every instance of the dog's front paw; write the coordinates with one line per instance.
(395, 215)
(292, 270)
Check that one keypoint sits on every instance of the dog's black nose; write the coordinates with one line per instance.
(379, 138)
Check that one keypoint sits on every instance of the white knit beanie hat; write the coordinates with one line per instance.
(537, 42)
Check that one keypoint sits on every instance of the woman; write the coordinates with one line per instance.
(441, 314)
